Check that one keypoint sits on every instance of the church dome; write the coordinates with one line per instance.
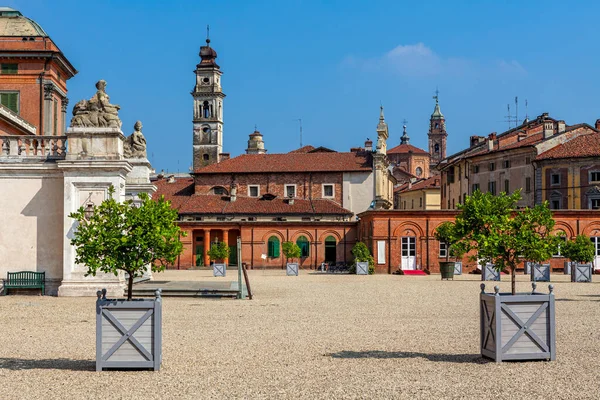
(13, 23)
(208, 56)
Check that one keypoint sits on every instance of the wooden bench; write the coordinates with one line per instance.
(25, 280)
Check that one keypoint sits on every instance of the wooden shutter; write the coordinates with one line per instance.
(10, 100)
(276, 248)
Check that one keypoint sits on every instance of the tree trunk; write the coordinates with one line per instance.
(130, 287)
(513, 279)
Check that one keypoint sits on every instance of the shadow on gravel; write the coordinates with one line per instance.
(17, 364)
(452, 358)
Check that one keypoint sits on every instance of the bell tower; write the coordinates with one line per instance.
(208, 109)
(437, 136)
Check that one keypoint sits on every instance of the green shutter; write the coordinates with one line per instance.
(10, 69)
(10, 100)
(276, 248)
(273, 247)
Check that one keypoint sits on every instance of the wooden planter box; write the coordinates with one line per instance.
(447, 270)
(489, 273)
(362, 268)
(219, 269)
(458, 268)
(292, 269)
(527, 267)
(567, 269)
(540, 272)
(519, 327)
(128, 333)
(581, 272)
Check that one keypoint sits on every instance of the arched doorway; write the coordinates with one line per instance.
(330, 249)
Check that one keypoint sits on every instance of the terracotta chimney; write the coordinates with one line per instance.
(224, 156)
(597, 124)
(491, 139)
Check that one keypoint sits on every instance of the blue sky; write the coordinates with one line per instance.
(330, 63)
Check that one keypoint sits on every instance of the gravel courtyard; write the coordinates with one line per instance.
(312, 336)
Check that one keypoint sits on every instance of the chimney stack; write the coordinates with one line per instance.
(598, 124)
(224, 156)
(233, 193)
(491, 139)
(369, 145)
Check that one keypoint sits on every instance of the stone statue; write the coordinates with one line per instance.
(135, 144)
(96, 112)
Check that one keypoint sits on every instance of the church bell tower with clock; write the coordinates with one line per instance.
(208, 109)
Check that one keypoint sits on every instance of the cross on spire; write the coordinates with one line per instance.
(207, 34)
(436, 97)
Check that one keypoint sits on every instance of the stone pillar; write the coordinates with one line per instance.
(48, 96)
(206, 247)
(93, 164)
(226, 241)
(63, 110)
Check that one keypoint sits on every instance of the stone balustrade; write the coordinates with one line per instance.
(33, 147)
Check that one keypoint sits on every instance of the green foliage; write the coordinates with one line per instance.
(581, 249)
(124, 237)
(501, 235)
(446, 233)
(361, 253)
(290, 250)
(218, 251)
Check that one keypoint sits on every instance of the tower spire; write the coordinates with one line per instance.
(208, 35)
(404, 139)
(381, 117)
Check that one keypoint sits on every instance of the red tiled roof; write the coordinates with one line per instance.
(182, 197)
(429, 183)
(580, 146)
(290, 162)
(304, 149)
(405, 148)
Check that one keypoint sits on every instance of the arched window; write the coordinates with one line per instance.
(330, 249)
(436, 148)
(206, 110)
(302, 242)
(273, 247)
(205, 157)
(437, 125)
(218, 190)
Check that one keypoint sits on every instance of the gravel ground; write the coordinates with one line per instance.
(312, 336)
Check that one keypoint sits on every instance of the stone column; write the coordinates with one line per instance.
(206, 247)
(226, 241)
(63, 110)
(48, 125)
(93, 164)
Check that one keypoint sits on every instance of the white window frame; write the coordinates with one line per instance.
(590, 176)
(332, 190)
(285, 190)
(443, 250)
(257, 191)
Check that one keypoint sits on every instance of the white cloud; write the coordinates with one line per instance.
(418, 60)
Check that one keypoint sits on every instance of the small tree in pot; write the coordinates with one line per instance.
(291, 250)
(582, 251)
(219, 252)
(504, 236)
(445, 233)
(361, 253)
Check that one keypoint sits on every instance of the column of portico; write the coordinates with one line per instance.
(226, 241)
(206, 247)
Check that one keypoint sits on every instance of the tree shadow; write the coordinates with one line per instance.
(451, 358)
(17, 364)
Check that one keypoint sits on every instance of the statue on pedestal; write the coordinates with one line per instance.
(96, 112)
(135, 144)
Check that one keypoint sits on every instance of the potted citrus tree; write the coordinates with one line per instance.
(581, 251)
(291, 250)
(363, 260)
(514, 326)
(217, 253)
(444, 233)
(118, 237)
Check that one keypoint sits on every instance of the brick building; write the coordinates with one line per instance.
(33, 78)
(404, 239)
(504, 162)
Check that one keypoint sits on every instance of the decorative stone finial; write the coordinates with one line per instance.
(482, 286)
(96, 112)
(135, 144)
(497, 290)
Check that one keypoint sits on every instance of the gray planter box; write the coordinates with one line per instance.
(527, 267)
(540, 272)
(219, 269)
(489, 273)
(567, 269)
(362, 268)
(519, 327)
(581, 272)
(458, 268)
(292, 269)
(128, 333)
